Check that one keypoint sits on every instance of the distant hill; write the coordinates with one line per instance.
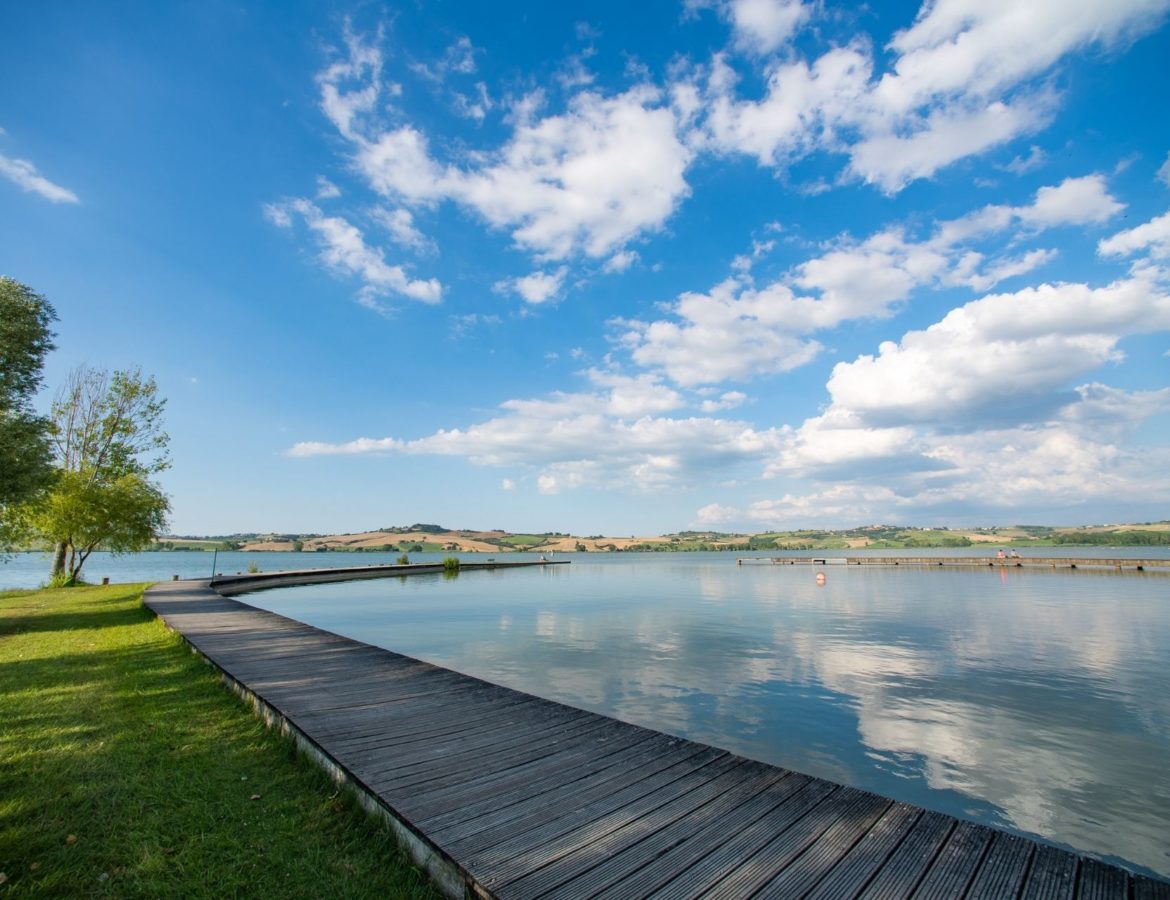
(420, 537)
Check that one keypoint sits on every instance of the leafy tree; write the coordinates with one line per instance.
(25, 453)
(80, 514)
(108, 440)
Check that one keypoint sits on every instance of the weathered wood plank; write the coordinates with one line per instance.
(1149, 889)
(955, 864)
(1003, 868)
(1098, 881)
(634, 859)
(518, 807)
(654, 876)
(868, 855)
(456, 744)
(563, 830)
(772, 861)
(799, 877)
(610, 747)
(1053, 875)
(578, 863)
(711, 869)
(385, 773)
(406, 788)
(905, 867)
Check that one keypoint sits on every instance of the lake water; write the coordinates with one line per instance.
(1034, 700)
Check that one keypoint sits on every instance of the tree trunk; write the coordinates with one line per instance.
(58, 559)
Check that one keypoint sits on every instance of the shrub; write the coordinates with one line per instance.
(64, 579)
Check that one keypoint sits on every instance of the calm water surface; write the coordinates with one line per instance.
(1033, 700)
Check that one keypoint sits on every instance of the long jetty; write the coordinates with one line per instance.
(497, 793)
(242, 582)
(968, 562)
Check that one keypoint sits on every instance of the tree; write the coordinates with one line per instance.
(80, 514)
(108, 440)
(25, 452)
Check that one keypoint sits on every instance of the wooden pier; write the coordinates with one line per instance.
(968, 562)
(242, 582)
(501, 794)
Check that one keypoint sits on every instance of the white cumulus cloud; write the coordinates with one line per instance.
(737, 331)
(616, 436)
(24, 174)
(998, 355)
(765, 25)
(343, 249)
(965, 77)
(537, 287)
(1152, 236)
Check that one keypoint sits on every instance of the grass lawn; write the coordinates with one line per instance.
(128, 769)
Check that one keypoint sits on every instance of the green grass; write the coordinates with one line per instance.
(424, 547)
(189, 545)
(524, 540)
(127, 769)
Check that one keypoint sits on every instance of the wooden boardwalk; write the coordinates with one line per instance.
(502, 794)
(968, 562)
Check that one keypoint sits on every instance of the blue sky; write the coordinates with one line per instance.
(737, 264)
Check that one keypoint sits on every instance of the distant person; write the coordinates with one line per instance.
(1000, 554)
(1015, 554)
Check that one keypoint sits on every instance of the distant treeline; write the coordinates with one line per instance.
(1115, 538)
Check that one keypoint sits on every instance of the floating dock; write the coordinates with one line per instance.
(497, 793)
(967, 562)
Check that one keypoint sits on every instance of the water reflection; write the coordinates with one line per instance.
(1036, 700)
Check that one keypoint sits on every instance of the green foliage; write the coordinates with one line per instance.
(25, 452)
(127, 770)
(909, 539)
(63, 580)
(107, 439)
(517, 541)
(81, 513)
(298, 546)
(1037, 531)
(186, 544)
(25, 340)
(253, 567)
(451, 564)
(1114, 538)
(110, 424)
(403, 560)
